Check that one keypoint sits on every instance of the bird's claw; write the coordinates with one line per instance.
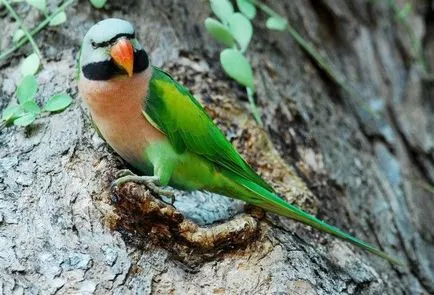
(161, 191)
(120, 174)
(152, 182)
(123, 172)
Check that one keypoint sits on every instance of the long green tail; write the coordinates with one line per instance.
(236, 186)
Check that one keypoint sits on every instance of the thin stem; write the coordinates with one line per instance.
(255, 110)
(35, 31)
(265, 8)
(426, 186)
(416, 43)
(23, 27)
(322, 62)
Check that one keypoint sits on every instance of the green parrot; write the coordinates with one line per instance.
(157, 126)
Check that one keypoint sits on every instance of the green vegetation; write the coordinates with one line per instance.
(27, 109)
(241, 70)
(234, 30)
(401, 16)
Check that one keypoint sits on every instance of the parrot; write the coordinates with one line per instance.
(157, 126)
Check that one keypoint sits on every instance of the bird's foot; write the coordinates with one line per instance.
(152, 182)
(123, 172)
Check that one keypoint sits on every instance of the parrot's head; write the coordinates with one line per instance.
(110, 49)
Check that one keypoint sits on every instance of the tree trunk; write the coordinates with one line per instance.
(365, 165)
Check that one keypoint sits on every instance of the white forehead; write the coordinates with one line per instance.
(107, 29)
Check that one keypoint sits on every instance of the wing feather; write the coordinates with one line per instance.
(174, 111)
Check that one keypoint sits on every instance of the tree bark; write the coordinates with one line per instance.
(365, 166)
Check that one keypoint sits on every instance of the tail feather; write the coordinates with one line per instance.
(269, 201)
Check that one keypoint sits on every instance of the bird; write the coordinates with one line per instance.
(158, 127)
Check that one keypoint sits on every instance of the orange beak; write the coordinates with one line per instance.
(123, 54)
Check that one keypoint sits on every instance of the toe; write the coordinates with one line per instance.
(123, 172)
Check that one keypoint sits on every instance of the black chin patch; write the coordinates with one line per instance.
(141, 61)
(105, 70)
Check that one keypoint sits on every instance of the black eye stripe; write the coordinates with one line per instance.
(107, 43)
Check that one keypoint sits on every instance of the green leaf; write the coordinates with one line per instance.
(237, 67)
(276, 23)
(25, 119)
(58, 19)
(58, 102)
(39, 4)
(247, 8)
(403, 13)
(219, 31)
(223, 9)
(242, 29)
(11, 113)
(27, 89)
(31, 106)
(98, 3)
(30, 64)
(18, 35)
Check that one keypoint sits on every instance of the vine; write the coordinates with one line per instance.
(27, 109)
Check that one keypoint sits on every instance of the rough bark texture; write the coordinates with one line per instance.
(322, 150)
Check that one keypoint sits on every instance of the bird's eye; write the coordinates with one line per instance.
(93, 43)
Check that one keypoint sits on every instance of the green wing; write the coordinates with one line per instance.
(171, 108)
